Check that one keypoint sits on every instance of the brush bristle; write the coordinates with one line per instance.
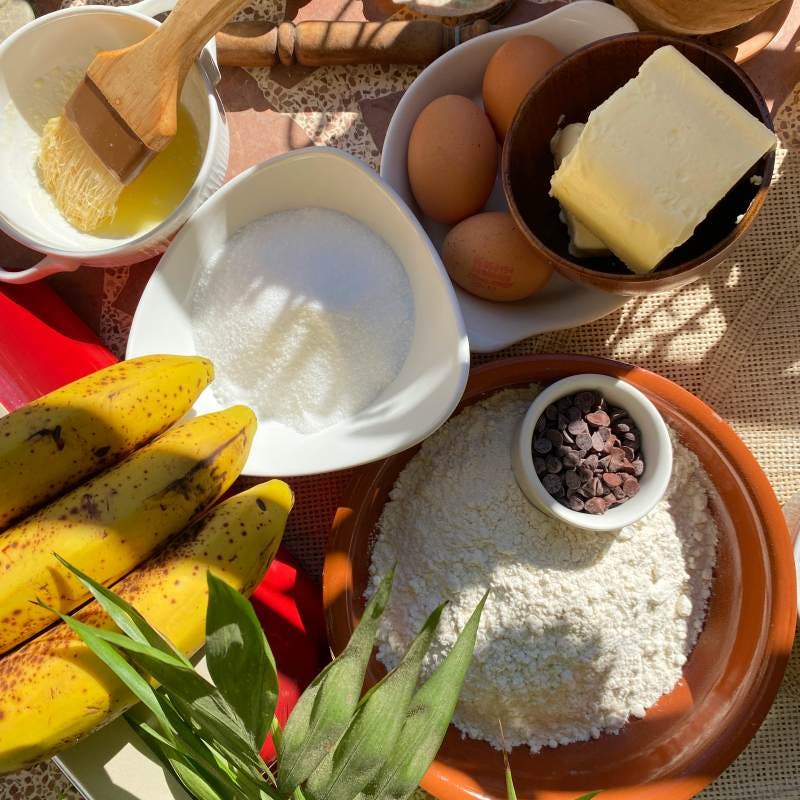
(83, 189)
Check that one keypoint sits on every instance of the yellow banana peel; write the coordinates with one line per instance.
(55, 442)
(53, 690)
(116, 520)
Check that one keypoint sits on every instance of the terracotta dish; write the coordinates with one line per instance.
(691, 16)
(568, 92)
(692, 734)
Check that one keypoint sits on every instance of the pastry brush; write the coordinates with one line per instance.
(124, 112)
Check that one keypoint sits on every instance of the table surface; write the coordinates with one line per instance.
(271, 112)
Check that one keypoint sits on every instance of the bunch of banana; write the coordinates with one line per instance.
(116, 520)
(54, 690)
(142, 526)
(55, 442)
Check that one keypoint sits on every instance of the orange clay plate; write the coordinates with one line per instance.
(692, 734)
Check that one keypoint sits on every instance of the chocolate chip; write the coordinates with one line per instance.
(638, 467)
(598, 419)
(629, 454)
(585, 401)
(553, 464)
(611, 479)
(539, 465)
(621, 427)
(595, 506)
(542, 446)
(574, 414)
(577, 427)
(574, 502)
(541, 424)
(583, 441)
(563, 404)
(597, 442)
(630, 487)
(592, 461)
(597, 487)
(552, 484)
(562, 422)
(572, 479)
(551, 413)
(604, 433)
(555, 437)
(571, 459)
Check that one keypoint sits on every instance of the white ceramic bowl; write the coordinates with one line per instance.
(561, 303)
(656, 450)
(433, 377)
(40, 65)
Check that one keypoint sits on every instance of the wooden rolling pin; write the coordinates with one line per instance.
(318, 43)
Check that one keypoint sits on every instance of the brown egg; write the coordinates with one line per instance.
(511, 72)
(452, 159)
(489, 257)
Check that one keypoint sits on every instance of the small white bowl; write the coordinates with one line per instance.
(431, 381)
(656, 450)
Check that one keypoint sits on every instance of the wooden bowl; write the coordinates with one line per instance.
(568, 92)
(694, 17)
(730, 680)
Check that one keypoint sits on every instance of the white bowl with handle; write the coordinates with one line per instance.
(40, 64)
(430, 382)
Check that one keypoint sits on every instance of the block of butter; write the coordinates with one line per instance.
(656, 157)
(582, 242)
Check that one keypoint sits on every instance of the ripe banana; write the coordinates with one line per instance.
(55, 442)
(53, 690)
(113, 522)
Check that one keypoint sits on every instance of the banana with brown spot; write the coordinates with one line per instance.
(116, 520)
(53, 690)
(52, 444)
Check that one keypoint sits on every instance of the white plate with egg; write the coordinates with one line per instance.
(221, 293)
(560, 304)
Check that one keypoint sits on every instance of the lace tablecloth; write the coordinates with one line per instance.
(732, 338)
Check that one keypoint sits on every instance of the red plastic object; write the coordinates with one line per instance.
(43, 344)
(289, 606)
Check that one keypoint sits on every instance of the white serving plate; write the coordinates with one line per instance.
(561, 304)
(432, 380)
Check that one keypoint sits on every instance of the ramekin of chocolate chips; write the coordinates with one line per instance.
(593, 451)
(587, 453)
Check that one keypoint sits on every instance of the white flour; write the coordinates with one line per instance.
(581, 630)
(307, 315)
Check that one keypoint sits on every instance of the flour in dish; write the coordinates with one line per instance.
(582, 630)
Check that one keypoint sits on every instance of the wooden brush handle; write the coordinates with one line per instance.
(143, 82)
(318, 43)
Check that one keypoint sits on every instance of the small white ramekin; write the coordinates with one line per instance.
(656, 449)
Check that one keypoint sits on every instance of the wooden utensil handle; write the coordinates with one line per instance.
(191, 24)
(144, 81)
(320, 43)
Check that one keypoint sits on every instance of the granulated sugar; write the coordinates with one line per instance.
(581, 630)
(307, 315)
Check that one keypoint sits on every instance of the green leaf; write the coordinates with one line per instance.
(510, 790)
(429, 715)
(195, 699)
(589, 796)
(239, 659)
(324, 710)
(94, 639)
(370, 737)
(124, 615)
(200, 786)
